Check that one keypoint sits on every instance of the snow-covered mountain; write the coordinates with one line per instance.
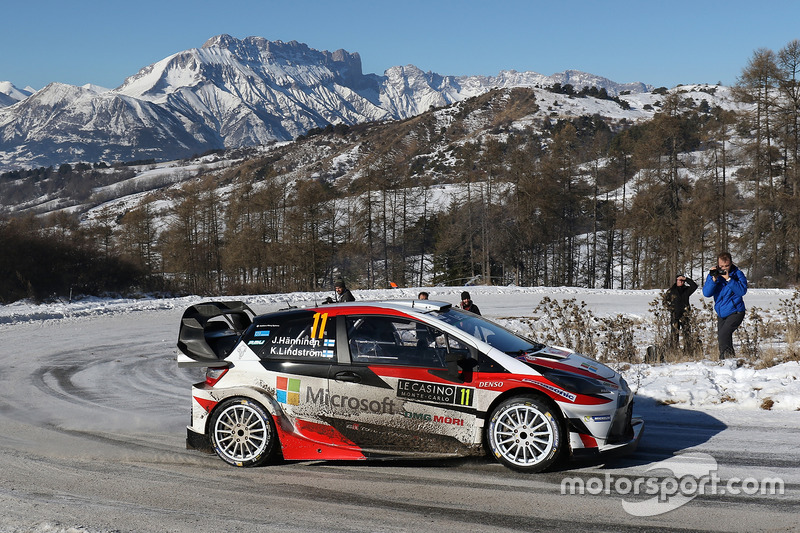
(64, 123)
(9, 94)
(231, 93)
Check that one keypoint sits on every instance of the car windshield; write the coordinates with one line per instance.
(493, 334)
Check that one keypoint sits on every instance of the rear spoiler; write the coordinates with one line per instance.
(209, 331)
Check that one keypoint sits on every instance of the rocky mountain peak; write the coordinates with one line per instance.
(232, 93)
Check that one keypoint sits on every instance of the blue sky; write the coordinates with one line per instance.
(660, 43)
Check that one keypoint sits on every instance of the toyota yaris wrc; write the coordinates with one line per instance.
(403, 378)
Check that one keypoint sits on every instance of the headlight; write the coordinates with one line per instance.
(578, 384)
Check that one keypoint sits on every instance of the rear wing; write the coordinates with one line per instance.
(209, 332)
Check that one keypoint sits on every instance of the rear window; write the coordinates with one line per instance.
(306, 336)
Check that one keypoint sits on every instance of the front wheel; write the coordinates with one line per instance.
(524, 434)
(242, 433)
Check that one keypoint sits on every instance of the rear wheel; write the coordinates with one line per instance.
(242, 433)
(524, 434)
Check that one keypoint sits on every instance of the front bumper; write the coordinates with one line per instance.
(637, 425)
(617, 448)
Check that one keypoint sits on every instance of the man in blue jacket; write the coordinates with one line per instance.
(727, 284)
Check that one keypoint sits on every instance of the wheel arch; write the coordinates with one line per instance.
(261, 397)
(523, 391)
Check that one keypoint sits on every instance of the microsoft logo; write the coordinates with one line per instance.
(288, 390)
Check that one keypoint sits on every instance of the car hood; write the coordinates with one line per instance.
(565, 359)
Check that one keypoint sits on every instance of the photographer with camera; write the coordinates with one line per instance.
(677, 299)
(727, 284)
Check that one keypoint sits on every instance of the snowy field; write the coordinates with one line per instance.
(708, 384)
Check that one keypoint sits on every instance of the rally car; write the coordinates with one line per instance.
(400, 378)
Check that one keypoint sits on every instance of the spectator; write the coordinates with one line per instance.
(422, 295)
(677, 299)
(343, 294)
(727, 284)
(467, 303)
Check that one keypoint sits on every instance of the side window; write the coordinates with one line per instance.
(455, 346)
(395, 341)
(310, 338)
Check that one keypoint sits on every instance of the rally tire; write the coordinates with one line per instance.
(524, 434)
(242, 433)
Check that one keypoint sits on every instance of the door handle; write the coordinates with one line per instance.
(350, 377)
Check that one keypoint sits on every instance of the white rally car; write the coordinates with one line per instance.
(400, 378)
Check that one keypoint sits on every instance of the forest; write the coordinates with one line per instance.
(586, 202)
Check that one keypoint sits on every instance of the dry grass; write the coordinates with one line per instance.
(772, 356)
(790, 311)
(761, 341)
(668, 402)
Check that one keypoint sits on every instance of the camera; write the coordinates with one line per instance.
(717, 272)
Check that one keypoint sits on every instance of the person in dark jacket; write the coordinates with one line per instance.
(467, 304)
(677, 299)
(727, 284)
(343, 294)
